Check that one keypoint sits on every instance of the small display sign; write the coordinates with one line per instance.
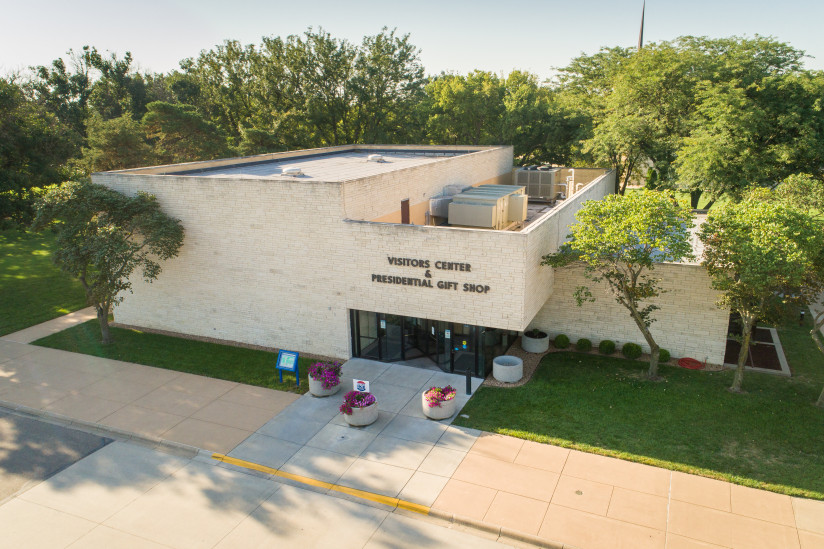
(448, 334)
(433, 330)
(361, 385)
(288, 360)
(383, 324)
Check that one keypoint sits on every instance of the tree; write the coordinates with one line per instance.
(180, 134)
(804, 192)
(466, 109)
(619, 240)
(115, 144)
(104, 236)
(761, 254)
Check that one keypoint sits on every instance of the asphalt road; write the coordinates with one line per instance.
(32, 451)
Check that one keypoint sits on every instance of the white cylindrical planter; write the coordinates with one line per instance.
(361, 417)
(444, 411)
(508, 369)
(316, 388)
(535, 344)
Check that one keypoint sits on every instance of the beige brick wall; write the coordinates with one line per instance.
(688, 322)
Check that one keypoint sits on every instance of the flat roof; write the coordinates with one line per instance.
(329, 166)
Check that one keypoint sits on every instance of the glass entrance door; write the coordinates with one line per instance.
(463, 348)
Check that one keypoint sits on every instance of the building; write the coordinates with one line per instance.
(356, 251)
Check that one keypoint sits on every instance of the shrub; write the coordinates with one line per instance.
(606, 347)
(663, 355)
(583, 345)
(535, 333)
(631, 350)
(561, 341)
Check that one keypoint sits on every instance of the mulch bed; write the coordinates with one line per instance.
(761, 355)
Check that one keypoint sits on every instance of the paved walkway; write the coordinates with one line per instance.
(572, 497)
(50, 327)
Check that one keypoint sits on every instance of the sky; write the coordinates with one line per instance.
(453, 35)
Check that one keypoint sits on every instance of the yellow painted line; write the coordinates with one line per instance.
(362, 494)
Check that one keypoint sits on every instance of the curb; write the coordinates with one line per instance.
(501, 532)
(100, 429)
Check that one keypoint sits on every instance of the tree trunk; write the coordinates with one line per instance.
(695, 197)
(103, 319)
(815, 333)
(742, 356)
(652, 373)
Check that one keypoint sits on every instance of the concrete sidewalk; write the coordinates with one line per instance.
(558, 495)
(50, 327)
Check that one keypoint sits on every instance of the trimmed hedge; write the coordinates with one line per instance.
(561, 341)
(663, 355)
(583, 344)
(631, 351)
(606, 347)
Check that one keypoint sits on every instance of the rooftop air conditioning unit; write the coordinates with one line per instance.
(294, 172)
(375, 158)
(539, 183)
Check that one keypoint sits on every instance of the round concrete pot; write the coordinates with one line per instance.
(535, 344)
(444, 411)
(316, 388)
(507, 369)
(361, 417)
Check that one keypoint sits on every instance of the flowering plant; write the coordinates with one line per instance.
(435, 395)
(356, 399)
(328, 373)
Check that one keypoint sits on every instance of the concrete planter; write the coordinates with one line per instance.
(508, 369)
(361, 417)
(535, 344)
(316, 388)
(444, 411)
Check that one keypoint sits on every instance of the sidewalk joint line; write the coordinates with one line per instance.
(361, 494)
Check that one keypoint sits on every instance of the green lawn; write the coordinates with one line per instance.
(238, 364)
(772, 437)
(32, 289)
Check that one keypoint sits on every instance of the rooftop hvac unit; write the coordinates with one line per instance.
(488, 206)
(375, 158)
(539, 183)
(439, 206)
(292, 171)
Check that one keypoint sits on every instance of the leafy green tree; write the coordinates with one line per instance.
(619, 240)
(116, 144)
(761, 254)
(104, 236)
(466, 109)
(65, 91)
(180, 134)
(804, 192)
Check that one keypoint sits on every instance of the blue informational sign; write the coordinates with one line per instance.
(288, 360)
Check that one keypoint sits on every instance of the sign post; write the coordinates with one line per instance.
(288, 360)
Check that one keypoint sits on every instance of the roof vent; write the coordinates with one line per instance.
(375, 158)
(292, 171)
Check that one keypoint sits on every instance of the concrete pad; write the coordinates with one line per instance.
(625, 474)
(810, 540)
(516, 512)
(84, 407)
(260, 397)
(748, 533)
(638, 508)
(234, 415)
(173, 401)
(584, 495)
(145, 375)
(400, 531)
(763, 505)
(809, 515)
(60, 378)
(509, 477)
(318, 464)
(207, 435)
(201, 385)
(311, 408)
(26, 524)
(12, 349)
(396, 451)
(363, 369)
(349, 441)
(423, 488)
(465, 499)
(498, 447)
(701, 491)
(542, 456)
(701, 523)
(392, 398)
(587, 531)
(442, 461)
(180, 511)
(268, 451)
(32, 395)
(39, 331)
(119, 390)
(415, 429)
(675, 541)
(103, 537)
(119, 474)
(405, 376)
(380, 478)
(142, 421)
(292, 429)
(458, 438)
(297, 518)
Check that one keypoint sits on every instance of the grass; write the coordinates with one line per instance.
(249, 366)
(32, 288)
(769, 438)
